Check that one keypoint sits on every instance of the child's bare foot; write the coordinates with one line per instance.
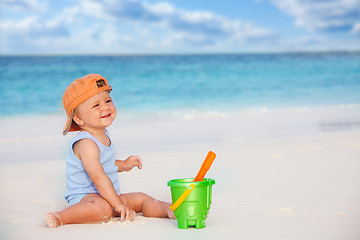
(53, 220)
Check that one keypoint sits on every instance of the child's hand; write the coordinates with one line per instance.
(126, 213)
(132, 161)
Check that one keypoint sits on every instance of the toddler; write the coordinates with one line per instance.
(91, 168)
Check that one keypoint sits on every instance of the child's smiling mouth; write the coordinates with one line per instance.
(106, 116)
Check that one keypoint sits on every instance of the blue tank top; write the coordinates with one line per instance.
(77, 180)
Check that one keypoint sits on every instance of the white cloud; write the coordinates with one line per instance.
(356, 29)
(92, 40)
(31, 34)
(22, 5)
(34, 27)
(162, 8)
(109, 26)
(315, 15)
(164, 27)
(169, 18)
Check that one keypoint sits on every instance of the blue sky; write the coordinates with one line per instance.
(177, 26)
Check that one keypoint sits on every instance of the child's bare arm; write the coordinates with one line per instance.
(128, 164)
(88, 152)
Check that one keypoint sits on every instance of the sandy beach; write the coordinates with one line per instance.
(280, 174)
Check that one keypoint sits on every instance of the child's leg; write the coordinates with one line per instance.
(150, 207)
(92, 208)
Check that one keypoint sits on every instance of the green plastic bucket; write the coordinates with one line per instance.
(194, 209)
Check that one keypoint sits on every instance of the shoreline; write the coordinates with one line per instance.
(133, 132)
(125, 118)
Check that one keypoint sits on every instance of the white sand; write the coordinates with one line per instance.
(280, 174)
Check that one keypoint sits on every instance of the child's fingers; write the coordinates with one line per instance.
(139, 164)
(122, 215)
(133, 215)
(136, 161)
(127, 217)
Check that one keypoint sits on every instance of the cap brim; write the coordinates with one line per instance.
(68, 123)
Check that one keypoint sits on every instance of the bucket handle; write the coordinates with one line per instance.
(183, 196)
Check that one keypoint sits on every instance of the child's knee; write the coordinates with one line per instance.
(102, 211)
(143, 196)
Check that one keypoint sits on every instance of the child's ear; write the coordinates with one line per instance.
(78, 120)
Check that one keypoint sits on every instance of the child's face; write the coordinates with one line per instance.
(98, 112)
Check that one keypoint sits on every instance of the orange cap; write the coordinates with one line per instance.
(78, 92)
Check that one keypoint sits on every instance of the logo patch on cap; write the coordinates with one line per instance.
(100, 83)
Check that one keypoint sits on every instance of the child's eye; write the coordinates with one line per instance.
(96, 105)
(108, 101)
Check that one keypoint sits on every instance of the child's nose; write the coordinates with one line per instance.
(104, 106)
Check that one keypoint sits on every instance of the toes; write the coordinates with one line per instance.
(53, 220)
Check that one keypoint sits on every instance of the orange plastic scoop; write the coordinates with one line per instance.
(205, 166)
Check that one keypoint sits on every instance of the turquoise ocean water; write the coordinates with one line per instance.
(35, 84)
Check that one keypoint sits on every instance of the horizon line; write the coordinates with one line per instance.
(178, 53)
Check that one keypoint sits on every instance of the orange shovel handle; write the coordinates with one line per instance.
(205, 166)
